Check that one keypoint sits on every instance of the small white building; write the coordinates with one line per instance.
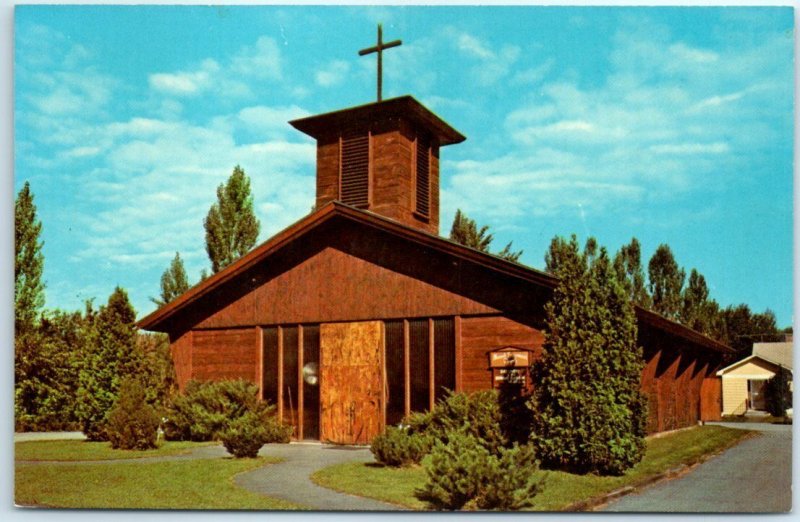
(743, 381)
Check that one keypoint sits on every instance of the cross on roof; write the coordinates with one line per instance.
(379, 49)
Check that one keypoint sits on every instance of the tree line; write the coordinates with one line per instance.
(69, 367)
(663, 288)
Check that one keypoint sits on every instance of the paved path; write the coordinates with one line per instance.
(289, 480)
(754, 476)
(48, 435)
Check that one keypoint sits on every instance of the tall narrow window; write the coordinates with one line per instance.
(355, 170)
(269, 383)
(423, 184)
(311, 382)
(395, 373)
(420, 364)
(290, 370)
(444, 349)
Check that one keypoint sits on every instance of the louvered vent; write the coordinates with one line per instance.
(423, 179)
(355, 170)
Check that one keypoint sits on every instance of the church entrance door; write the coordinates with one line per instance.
(351, 382)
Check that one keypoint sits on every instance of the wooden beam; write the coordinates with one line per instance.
(383, 377)
(300, 382)
(431, 366)
(459, 353)
(407, 366)
(260, 362)
(280, 374)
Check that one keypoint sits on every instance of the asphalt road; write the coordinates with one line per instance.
(754, 476)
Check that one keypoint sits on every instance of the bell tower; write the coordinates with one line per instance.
(382, 157)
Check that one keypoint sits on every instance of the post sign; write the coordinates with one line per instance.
(509, 364)
(509, 358)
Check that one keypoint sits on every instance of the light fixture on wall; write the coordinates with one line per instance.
(311, 373)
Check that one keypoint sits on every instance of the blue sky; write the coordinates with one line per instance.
(673, 125)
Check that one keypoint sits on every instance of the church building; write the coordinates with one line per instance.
(360, 312)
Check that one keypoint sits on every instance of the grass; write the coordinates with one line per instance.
(71, 450)
(193, 484)
(560, 491)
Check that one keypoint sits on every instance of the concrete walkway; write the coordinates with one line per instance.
(289, 480)
(754, 476)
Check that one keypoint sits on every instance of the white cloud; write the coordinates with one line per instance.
(186, 82)
(262, 60)
(332, 74)
(493, 65)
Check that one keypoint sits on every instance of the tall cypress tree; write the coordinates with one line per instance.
(231, 225)
(589, 414)
(28, 262)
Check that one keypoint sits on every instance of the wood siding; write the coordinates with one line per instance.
(225, 354)
(181, 351)
(673, 382)
(392, 173)
(360, 276)
(711, 399)
(480, 335)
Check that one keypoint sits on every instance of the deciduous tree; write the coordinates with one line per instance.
(666, 282)
(231, 225)
(173, 281)
(628, 265)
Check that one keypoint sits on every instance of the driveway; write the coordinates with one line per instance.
(754, 476)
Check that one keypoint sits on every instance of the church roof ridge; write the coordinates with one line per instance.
(337, 208)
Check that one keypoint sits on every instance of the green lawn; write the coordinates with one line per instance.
(82, 450)
(193, 484)
(560, 490)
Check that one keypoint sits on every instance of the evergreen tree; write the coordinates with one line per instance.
(589, 414)
(110, 356)
(777, 393)
(466, 232)
(231, 225)
(173, 281)
(666, 282)
(628, 265)
(28, 263)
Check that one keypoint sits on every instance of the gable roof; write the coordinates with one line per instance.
(777, 353)
(753, 357)
(336, 209)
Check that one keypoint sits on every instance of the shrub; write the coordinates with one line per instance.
(397, 447)
(477, 414)
(132, 423)
(463, 474)
(777, 395)
(244, 436)
(207, 409)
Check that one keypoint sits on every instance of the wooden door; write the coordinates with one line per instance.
(351, 382)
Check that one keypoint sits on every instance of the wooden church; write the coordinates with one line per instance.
(360, 312)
